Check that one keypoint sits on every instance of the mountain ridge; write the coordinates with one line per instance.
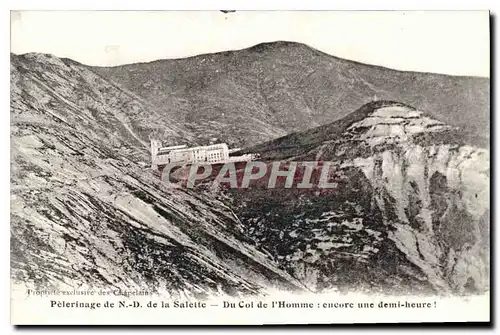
(273, 105)
(264, 45)
(272, 89)
(316, 136)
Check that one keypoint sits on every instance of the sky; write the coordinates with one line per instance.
(450, 42)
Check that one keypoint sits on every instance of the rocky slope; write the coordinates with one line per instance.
(84, 210)
(410, 214)
(269, 90)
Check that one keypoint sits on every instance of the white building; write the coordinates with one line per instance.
(181, 154)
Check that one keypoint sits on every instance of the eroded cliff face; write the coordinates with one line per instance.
(438, 196)
(411, 209)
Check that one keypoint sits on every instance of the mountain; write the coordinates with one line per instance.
(410, 212)
(86, 211)
(272, 89)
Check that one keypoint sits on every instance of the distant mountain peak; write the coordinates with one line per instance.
(277, 44)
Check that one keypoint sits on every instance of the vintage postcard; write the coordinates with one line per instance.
(249, 167)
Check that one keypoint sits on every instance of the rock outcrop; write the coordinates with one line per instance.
(411, 211)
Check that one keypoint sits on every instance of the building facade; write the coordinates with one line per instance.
(182, 155)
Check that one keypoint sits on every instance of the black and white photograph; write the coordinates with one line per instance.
(235, 167)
